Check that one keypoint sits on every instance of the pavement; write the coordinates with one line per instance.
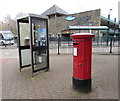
(57, 83)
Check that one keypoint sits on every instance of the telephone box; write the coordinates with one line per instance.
(33, 43)
(82, 50)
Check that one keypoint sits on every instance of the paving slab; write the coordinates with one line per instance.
(57, 83)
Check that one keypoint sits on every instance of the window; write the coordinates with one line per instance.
(1, 36)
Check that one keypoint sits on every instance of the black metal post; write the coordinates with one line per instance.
(119, 35)
(111, 44)
(47, 45)
(114, 31)
(108, 29)
(98, 40)
(58, 44)
(19, 44)
(31, 44)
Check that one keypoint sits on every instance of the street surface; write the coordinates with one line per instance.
(56, 83)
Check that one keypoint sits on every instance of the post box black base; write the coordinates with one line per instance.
(82, 85)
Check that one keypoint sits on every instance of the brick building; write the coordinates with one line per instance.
(60, 20)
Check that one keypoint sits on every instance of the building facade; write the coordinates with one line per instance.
(60, 20)
(60, 24)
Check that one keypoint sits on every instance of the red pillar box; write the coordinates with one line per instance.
(82, 50)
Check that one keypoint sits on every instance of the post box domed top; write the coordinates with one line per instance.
(82, 35)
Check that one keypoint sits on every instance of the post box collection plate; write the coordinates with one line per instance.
(75, 51)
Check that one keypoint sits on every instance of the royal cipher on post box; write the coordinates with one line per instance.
(82, 50)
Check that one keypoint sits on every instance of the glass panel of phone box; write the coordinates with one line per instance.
(25, 42)
(39, 36)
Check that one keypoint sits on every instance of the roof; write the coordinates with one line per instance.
(25, 18)
(105, 20)
(88, 28)
(54, 10)
(82, 35)
(32, 15)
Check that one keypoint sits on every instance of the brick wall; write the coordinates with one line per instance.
(56, 25)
